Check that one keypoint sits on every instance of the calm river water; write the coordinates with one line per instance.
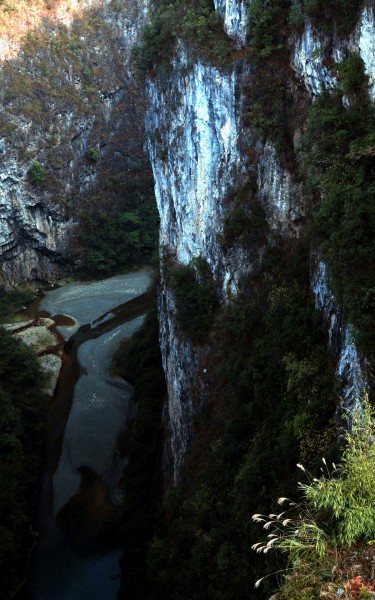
(89, 411)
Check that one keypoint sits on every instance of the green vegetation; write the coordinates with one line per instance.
(272, 108)
(326, 14)
(93, 154)
(13, 300)
(336, 511)
(269, 399)
(139, 361)
(274, 111)
(118, 241)
(37, 174)
(337, 156)
(22, 414)
(195, 297)
(246, 222)
(267, 26)
(194, 21)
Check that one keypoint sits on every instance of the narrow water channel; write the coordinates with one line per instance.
(89, 411)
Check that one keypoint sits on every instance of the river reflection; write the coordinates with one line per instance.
(101, 314)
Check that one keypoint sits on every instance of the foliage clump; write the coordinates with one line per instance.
(13, 300)
(246, 221)
(37, 174)
(194, 21)
(266, 26)
(196, 299)
(336, 511)
(93, 154)
(118, 241)
(22, 414)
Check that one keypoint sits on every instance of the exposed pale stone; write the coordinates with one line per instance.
(38, 338)
(51, 365)
(351, 366)
(193, 129)
(15, 326)
(234, 13)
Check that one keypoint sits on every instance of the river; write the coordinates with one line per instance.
(89, 411)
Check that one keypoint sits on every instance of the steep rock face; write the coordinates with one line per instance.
(193, 129)
(234, 13)
(180, 364)
(365, 40)
(309, 62)
(351, 366)
(198, 153)
(278, 192)
(69, 102)
(198, 150)
(315, 54)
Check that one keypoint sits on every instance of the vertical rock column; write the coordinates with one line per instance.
(193, 128)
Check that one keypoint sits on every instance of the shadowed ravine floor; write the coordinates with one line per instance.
(89, 411)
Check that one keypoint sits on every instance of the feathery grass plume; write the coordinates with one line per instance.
(349, 497)
(257, 583)
(338, 509)
(282, 500)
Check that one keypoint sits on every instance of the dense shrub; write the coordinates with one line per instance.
(13, 300)
(327, 15)
(272, 109)
(246, 220)
(194, 21)
(22, 413)
(336, 510)
(118, 241)
(266, 23)
(196, 300)
(93, 154)
(37, 174)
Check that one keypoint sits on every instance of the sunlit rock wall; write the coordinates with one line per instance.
(193, 125)
(68, 90)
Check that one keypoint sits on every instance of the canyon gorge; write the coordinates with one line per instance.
(249, 126)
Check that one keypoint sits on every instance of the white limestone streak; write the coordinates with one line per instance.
(308, 62)
(234, 13)
(350, 368)
(308, 54)
(366, 44)
(278, 193)
(195, 157)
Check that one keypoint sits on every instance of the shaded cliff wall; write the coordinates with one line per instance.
(69, 103)
(314, 56)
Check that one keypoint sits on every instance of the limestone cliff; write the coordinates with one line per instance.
(199, 146)
(69, 105)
